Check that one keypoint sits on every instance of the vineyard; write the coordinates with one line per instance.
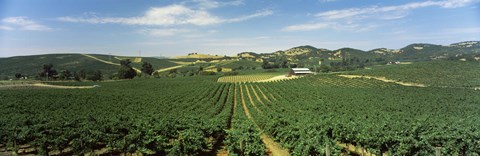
(454, 74)
(264, 77)
(198, 116)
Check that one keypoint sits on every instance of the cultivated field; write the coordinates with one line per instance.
(313, 115)
(258, 77)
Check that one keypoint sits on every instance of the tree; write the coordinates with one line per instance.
(219, 69)
(82, 74)
(325, 68)
(94, 76)
(48, 71)
(76, 76)
(126, 71)
(65, 75)
(18, 75)
(265, 65)
(147, 68)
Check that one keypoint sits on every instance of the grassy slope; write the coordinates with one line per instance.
(433, 73)
(32, 65)
(237, 64)
(156, 63)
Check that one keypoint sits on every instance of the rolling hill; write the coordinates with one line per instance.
(307, 55)
(32, 65)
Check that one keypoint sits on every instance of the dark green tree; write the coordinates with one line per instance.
(76, 76)
(147, 68)
(48, 71)
(82, 74)
(219, 69)
(126, 71)
(65, 75)
(18, 75)
(94, 75)
(325, 68)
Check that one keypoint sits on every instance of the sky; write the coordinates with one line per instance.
(226, 27)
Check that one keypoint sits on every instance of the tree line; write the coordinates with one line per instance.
(125, 71)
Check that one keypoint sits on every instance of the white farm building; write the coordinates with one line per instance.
(299, 71)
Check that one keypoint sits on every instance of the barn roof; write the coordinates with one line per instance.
(294, 69)
(301, 71)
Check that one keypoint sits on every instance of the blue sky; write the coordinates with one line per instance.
(227, 27)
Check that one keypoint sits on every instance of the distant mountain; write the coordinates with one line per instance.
(416, 51)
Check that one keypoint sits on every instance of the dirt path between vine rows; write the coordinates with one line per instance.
(45, 86)
(384, 79)
(274, 148)
(256, 95)
(263, 95)
(356, 150)
(271, 95)
(251, 99)
(234, 103)
(349, 147)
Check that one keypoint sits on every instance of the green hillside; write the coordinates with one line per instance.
(241, 64)
(32, 65)
(431, 73)
(156, 63)
(301, 56)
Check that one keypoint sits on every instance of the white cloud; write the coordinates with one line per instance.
(166, 16)
(2, 27)
(376, 10)
(163, 16)
(364, 19)
(258, 14)
(210, 4)
(347, 26)
(306, 27)
(165, 32)
(23, 23)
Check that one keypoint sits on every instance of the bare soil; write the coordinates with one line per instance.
(384, 79)
(273, 148)
(42, 85)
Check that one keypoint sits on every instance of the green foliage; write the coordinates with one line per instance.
(32, 65)
(190, 115)
(373, 114)
(126, 71)
(48, 72)
(29, 65)
(65, 75)
(94, 76)
(126, 116)
(431, 73)
(18, 75)
(147, 68)
(239, 65)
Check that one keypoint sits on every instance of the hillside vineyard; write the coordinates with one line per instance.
(195, 116)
